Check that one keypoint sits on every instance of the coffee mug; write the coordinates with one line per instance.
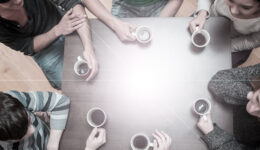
(140, 141)
(143, 34)
(200, 38)
(96, 117)
(81, 67)
(202, 107)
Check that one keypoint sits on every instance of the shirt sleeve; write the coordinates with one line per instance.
(232, 85)
(203, 5)
(67, 4)
(246, 42)
(24, 45)
(219, 139)
(56, 104)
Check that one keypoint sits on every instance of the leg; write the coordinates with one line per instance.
(231, 86)
(50, 61)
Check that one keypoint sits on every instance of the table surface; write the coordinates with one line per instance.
(146, 87)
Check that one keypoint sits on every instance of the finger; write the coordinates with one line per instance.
(132, 27)
(101, 135)
(73, 16)
(93, 133)
(160, 135)
(78, 26)
(168, 138)
(155, 145)
(192, 27)
(250, 95)
(75, 23)
(159, 140)
(255, 96)
(94, 70)
(130, 37)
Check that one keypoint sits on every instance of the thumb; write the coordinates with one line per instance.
(155, 145)
(250, 95)
(69, 12)
(93, 133)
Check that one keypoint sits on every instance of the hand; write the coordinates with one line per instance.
(205, 125)
(92, 62)
(253, 106)
(45, 116)
(94, 142)
(198, 21)
(162, 141)
(124, 31)
(69, 23)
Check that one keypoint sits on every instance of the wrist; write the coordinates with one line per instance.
(115, 23)
(89, 148)
(203, 13)
(56, 31)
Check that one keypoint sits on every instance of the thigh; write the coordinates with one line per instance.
(50, 61)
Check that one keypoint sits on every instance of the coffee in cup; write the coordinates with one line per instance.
(96, 117)
(143, 34)
(140, 141)
(202, 107)
(200, 38)
(81, 67)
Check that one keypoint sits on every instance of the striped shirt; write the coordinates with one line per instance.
(56, 104)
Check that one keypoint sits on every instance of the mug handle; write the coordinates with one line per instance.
(151, 144)
(196, 28)
(204, 117)
(79, 58)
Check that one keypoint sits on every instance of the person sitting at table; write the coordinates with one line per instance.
(97, 138)
(233, 88)
(244, 14)
(129, 9)
(37, 28)
(21, 129)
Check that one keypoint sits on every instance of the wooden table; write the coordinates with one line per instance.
(146, 87)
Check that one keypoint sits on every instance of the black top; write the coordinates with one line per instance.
(42, 16)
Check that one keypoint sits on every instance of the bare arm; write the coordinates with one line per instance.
(171, 8)
(85, 36)
(122, 29)
(54, 139)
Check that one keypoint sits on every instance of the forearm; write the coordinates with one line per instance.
(54, 139)
(84, 31)
(171, 8)
(98, 9)
(43, 40)
(246, 42)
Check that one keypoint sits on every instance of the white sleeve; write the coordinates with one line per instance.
(203, 5)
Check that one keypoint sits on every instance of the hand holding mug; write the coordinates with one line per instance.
(123, 31)
(96, 139)
(205, 126)
(92, 62)
(162, 141)
(198, 21)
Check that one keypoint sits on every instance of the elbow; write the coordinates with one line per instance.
(218, 83)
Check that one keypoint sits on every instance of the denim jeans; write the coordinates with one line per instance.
(121, 9)
(50, 61)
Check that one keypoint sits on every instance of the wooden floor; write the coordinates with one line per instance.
(19, 72)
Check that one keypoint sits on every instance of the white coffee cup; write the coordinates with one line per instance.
(200, 38)
(202, 107)
(81, 67)
(96, 117)
(143, 34)
(140, 141)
